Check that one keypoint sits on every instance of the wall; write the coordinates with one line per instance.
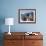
(9, 8)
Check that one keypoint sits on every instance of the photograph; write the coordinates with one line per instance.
(27, 15)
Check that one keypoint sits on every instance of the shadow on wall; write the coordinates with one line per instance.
(2, 21)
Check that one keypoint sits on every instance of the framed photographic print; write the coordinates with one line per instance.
(27, 15)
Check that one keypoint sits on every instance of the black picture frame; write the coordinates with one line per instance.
(27, 15)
